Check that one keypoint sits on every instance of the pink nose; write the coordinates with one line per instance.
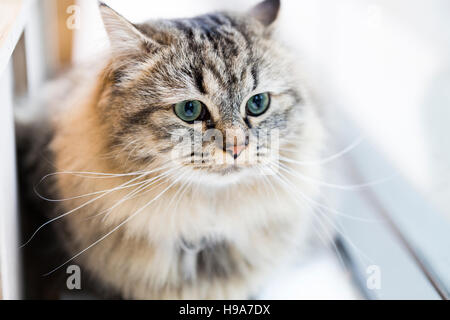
(235, 151)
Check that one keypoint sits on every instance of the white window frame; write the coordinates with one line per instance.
(411, 241)
(26, 23)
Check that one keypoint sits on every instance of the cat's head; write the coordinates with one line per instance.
(214, 96)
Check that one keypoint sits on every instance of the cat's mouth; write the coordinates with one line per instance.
(222, 170)
(219, 168)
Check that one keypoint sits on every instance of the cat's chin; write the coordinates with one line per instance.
(225, 175)
(228, 170)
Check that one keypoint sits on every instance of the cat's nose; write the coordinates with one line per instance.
(234, 145)
(235, 150)
(235, 140)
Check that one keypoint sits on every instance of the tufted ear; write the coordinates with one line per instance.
(266, 12)
(125, 38)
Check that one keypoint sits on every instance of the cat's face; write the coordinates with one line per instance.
(213, 96)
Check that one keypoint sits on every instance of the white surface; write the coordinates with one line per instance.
(7, 47)
(34, 44)
(322, 277)
(8, 202)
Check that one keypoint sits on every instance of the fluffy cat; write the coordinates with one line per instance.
(209, 221)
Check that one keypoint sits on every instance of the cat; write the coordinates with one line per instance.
(147, 219)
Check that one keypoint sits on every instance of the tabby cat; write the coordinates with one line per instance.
(177, 170)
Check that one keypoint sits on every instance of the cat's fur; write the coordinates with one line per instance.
(210, 232)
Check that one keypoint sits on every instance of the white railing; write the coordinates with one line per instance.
(20, 35)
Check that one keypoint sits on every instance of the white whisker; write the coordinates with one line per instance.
(347, 149)
(116, 228)
(97, 192)
(141, 191)
(134, 193)
(308, 200)
(331, 185)
(77, 208)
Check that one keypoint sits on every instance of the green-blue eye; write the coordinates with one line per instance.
(258, 104)
(189, 111)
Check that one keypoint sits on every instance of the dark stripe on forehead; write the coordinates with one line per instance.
(217, 75)
(196, 73)
(255, 76)
(241, 29)
(198, 77)
(231, 42)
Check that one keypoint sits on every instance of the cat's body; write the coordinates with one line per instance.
(189, 235)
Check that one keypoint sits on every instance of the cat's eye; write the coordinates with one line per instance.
(190, 110)
(258, 104)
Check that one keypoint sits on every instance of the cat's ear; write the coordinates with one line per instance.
(266, 12)
(124, 37)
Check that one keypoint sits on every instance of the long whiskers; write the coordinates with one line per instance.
(337, 155)
(77, 208)
(92, 175)
(102, 191)
(322, 225)
(290, 171)
(143, 189)
(332, 210)
(118, 226)
(283, 179)
(136, 192)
